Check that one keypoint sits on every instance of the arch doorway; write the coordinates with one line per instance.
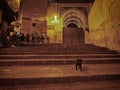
(73, 35)
(74, 20)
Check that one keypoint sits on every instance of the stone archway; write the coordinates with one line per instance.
(76, 16)
(74, 22)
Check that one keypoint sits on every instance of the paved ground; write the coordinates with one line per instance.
(61, 74)
(57, 70)
(102, 85)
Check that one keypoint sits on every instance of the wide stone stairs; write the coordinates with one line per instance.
(55, 63)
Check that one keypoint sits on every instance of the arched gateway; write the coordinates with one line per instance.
(74, 22)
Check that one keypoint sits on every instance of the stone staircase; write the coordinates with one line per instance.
(49, 61)
(57, 49)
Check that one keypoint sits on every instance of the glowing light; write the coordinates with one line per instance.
(55, 20)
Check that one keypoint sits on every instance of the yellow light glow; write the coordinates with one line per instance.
(54, 20)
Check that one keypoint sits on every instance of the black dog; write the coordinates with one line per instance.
(78, 63)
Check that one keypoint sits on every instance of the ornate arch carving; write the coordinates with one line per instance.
(78, 15)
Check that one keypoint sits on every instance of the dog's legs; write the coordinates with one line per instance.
(80, 66)
(76, 67)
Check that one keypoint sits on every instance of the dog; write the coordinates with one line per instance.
(78, 64)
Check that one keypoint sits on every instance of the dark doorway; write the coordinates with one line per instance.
(73, 35)
(72, 25)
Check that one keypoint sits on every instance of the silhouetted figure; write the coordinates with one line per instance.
(14, 38)
(42, 39)
(21, 37)
(27, 37)
(39, 39)
(78, 64)
(33, 38)
(48, 39)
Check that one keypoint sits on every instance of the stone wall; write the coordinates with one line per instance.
(34, 16)
(104, 24)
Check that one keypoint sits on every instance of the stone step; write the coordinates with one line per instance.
(34, 62)
(58, 52)
(33, 75)
(56, 49)
(56, 56)
(61, 46)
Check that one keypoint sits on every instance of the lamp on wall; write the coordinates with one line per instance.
(55, 20)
